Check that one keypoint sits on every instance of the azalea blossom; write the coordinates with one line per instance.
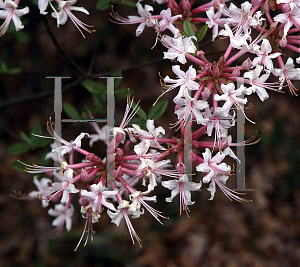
(212, 165)
(65, 8)
(9, 11)
(99, 194)
(62, 150)
(218, 120)
(116, 218)
(183, 187)
(230, 96)
(43, 187)
(220, 180)
(214, 21)
(167, 21)
(263, 55)
(189, 105)
(101, 134)
(186, 81)
(145, 18)
(63, 214)
(91, 217)
(290, 18)
(66, 186)
(287, 73)
(257, 83)
(152, 134)
(42, 5)
(178, 47)
(237, 40)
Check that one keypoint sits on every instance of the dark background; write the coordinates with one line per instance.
(264, 232)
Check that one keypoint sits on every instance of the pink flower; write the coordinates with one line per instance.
(99, 195)
(66, 186)
(9, 12)
(212, 166)
(63, 216)
(186, 81)
(167, 21)
(220, 180)
(178, 47)
(65, 8)
(43, 187)
(230, 95)
(182, 187)
(263, 56)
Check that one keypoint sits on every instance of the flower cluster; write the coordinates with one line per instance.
(63, 11)
(206, 104)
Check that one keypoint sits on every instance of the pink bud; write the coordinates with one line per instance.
(255, 2)
(236, 72)
(83, 201)
(247, 64)
(286, 8)
(180, 168)
(205, 94)
(84, 176)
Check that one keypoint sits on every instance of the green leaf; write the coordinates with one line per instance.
(3, 67)
(103, 4)
(36, 130)
(123, 93)
(43, 160)
(187, 29)
(95, 87)
(18, 148)
(201, 33)
(128, 4)
(5, 70)
(14, 71)
(26, 138)
(22, 36)
(158, 109)
(97, 101)
(117, 73)
(138, 121)
(41, 142)
(141, 113)
(19, 166)
(71, 111)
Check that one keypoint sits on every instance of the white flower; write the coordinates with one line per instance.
(152, 134)
(230, 95)
(99, 195)
(66, 185)
(167, 21)
(65, 8)
(257, 83)
(100, 136)
(237, 40)
(220, 180)
(10, 12)
(143, 19)
(178, 47)
(63, 215)
(212, 166)
(62, 150)
(182, 187)
(189, 105)
(186, 81)
(263, 56)
(43, 187)
(214, 21)
(42, 5)
(287, 73)
(218, 120)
